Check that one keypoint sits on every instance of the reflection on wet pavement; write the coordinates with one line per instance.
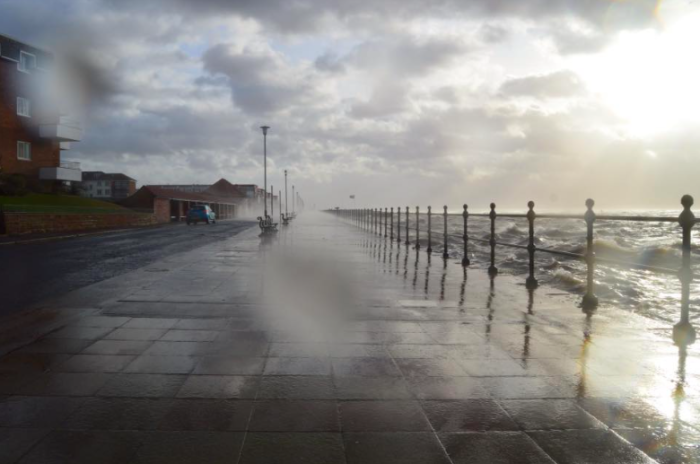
(331, 345)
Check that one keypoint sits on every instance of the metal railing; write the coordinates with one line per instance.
(70, 165)
(381, 222)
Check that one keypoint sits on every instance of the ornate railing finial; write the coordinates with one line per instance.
(683, 332)
(417, 227)
(386, 217)
(430, 231)
(465, 236)
(531, 281)
(408, 212)
(398, 225)
(391, 225)
(445, 254)
(590, 301)
(493, 270)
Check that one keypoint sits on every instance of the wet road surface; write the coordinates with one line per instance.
(30, 273)
(332, 345)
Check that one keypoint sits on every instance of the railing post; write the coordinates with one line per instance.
(590, 301)
(683, 332)
(465, 237)
(391, 229)
(531, 281)
(417, 228)
(407, 221)
(430, 231)
(376, 221)
(386, 212)
(492, 241)
(445, 254)
(398, 225)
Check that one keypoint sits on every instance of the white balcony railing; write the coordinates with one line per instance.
(61, 173)
(70, 165)
(64, 130)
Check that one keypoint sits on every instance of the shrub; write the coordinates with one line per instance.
(13, 185)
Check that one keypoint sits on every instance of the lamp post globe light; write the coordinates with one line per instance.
(264, 131)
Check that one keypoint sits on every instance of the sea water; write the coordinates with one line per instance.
(647, 292)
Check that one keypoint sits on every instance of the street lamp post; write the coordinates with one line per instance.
(294, 201)
(264, 129)
(286, 211)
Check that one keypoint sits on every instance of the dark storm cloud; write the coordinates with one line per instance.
(406, 56)
(329, 62)
(493, 34)
(561, 84)
(260, 80)
(311, 15)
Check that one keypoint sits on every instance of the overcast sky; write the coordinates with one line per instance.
(400, 102)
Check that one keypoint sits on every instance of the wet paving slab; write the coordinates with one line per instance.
(330, 345)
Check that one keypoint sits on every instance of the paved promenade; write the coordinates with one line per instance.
(330, 346)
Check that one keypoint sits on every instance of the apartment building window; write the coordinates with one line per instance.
(27, 62)
(24, 151)
(23, 107)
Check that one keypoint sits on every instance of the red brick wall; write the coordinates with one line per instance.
(40, 223)
(13, 128)
(161, 209)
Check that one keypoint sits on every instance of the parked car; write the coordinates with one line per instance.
(200, 213)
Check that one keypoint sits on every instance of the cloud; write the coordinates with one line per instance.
(493, 33)
(260, 80)
(411, 100)
(560, 84)
(570, 41)
(309, 16)
(329, 62)
(406, 56)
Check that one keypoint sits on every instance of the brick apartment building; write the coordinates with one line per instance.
(33, 131)
(107, 186)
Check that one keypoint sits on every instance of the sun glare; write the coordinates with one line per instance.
(650, 78)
